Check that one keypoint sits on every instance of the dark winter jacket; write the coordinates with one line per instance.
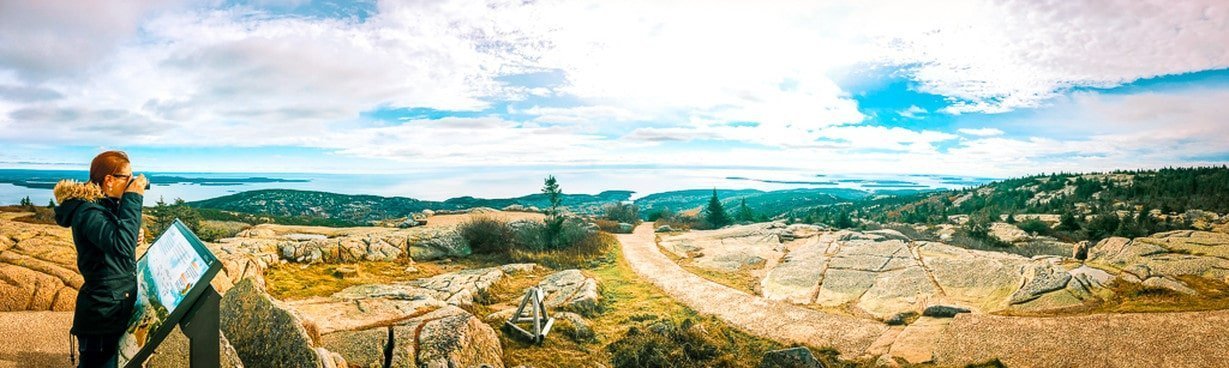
(105, 231)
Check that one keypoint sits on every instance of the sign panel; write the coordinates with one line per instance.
(170, 276)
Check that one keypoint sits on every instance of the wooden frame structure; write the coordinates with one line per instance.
(536, 315)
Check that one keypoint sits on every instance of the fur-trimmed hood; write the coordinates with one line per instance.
(71, 189)
(71, 195)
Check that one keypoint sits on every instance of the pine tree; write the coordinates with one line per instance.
(745, 214)
(26, 203)
(714, 213)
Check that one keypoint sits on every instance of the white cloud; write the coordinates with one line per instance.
(912, 112)
(155, 73)
(1000, 56)
(981, 132)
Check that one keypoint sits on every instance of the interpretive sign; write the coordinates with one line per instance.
(171, 276)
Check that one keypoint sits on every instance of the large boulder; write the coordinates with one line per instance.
(449, 337)
(436, 243)
(401, 324)
(266, 333)
(571, 290)
(174, 352)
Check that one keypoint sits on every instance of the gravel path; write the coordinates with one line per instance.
(1189, 339)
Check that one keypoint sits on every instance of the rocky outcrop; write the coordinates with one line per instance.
(266, 333)
(732, 248)
(881, 275)
(1168, 255)
(348, 249)
(571, 290)
(466, 287)
(1008, 232)
(306, 244)
(401, 325)
(38, 267)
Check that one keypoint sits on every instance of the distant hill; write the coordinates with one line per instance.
(346, 209)
(1167, 191)
(769, 204)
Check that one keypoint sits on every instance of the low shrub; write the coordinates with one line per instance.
(1035, 226)
(213, 230)
(486, 235)
(621, 212)
(609, 226)
(575, 244)
(665, 344)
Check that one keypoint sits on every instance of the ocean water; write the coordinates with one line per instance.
(441, 184)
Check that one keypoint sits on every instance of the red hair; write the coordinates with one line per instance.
(106, 163)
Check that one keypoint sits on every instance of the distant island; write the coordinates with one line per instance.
(46, 179)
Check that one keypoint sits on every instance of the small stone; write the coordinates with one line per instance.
(799, 357)
(346, 272)
(943, 311)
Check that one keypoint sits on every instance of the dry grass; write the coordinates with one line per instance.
(292, 281)
(627, 301)
(41, 215)
(590, 252)
(1133, 298)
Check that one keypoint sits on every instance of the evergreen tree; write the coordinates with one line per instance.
(714, 213)
(745, 214)
(843, 221)
(26, 203)
(554, 215)
(1068, 222)
(1011, 218)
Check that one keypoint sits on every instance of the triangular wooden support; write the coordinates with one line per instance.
(536, 315)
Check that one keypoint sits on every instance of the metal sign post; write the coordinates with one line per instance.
(200, 325)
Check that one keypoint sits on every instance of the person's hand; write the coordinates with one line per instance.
(137, 185)
(141, 237)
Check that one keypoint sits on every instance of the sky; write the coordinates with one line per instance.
(981, 88)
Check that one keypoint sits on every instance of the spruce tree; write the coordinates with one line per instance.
(714, 213)
(745, 214)
(554, 215)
